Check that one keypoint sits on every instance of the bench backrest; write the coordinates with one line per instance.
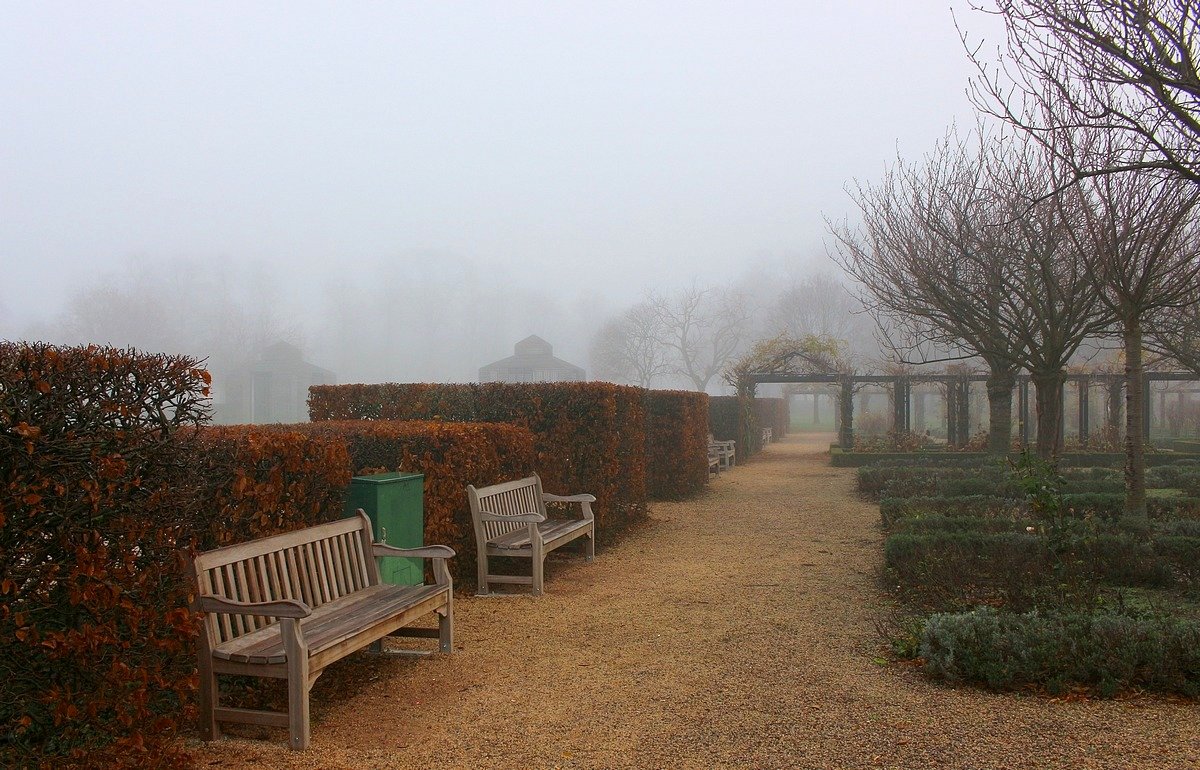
(508, 499)
(314, 565)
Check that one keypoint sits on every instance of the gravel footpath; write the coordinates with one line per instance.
(734, 630)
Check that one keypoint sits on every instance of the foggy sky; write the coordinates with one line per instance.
(584, 151)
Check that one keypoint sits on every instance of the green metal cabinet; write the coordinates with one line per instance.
(395, 504)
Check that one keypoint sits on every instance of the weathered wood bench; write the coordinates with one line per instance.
(714, 460)
(726, 451)
(767, 436)
(510, 520)
(287, 606)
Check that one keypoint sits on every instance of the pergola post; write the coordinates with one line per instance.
(1084, 393)
(1023, 412)
(1116, 400)
(1147, 408)
(900, 405)
(846, 409)
(952, 438)
(964, 411)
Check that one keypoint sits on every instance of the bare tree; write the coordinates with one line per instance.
(1127, 68)
(1052, 301)
(628, 348)
(1138, 234)
(818, 306)
(704, 330)
(925, 274)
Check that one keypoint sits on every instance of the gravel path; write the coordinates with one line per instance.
(730, 631)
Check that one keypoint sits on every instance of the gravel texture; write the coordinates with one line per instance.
(733, 630)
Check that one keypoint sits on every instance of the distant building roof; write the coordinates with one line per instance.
(534, 362)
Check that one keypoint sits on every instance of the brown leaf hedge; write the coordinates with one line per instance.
(111, 484)
(588, 437)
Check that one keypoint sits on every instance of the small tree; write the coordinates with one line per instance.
(1138, 235)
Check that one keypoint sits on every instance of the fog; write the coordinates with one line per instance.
(404, 191)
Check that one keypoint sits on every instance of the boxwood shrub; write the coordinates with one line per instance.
(1109, 652)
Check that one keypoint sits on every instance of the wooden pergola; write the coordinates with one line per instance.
(958, 400)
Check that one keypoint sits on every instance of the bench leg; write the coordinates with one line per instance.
(589, 553)
(297, 683)
(481, 566)
(539, 567)
(209, 698)
(446, 628)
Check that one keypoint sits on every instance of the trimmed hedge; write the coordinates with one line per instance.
(1112, 506)
(99, 494)
(589, 437)
(725, 418)
(773, 413)
(896, 510)
(451, 455)
(266, 480)
(839, 458)
(676, 443)
(1107, 652)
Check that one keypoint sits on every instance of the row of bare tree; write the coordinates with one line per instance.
(695, 335)
(1080, 218)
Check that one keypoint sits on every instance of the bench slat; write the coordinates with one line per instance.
(550, 530)
(329, 624)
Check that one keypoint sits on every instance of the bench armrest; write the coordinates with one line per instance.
(585, 503)
(424, 552)
(568, 498)
(281, 608)
(438, 553)
(525, 518)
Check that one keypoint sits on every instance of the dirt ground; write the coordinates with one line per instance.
(734, 630)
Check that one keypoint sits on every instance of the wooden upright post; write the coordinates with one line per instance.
(846, 409)
(1084, 391)
(1023, 412)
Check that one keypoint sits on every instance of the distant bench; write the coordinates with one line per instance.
(726, 451)
(510, 520)
(287, 606)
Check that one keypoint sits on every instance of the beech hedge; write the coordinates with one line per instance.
(588, 437)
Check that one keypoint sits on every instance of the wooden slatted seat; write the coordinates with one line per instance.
(726, 451)
(287, 606)
(510, 520)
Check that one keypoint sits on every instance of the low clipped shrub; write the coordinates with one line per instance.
(1004, 651)
(1180, 554)
(1111, 505)
(979, 485)
(953, 561)
(893, 510)
(958, 568)
(941, 523)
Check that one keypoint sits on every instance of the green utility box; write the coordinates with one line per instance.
(395, 503)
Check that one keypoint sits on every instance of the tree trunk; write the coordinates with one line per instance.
(1135, 443)
(1000, 386)
(1049, 389)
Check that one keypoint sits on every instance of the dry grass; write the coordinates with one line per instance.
(731, 631)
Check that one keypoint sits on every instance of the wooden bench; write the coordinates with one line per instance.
(287, 606)
(767, 436)
(510, 520)
(726, 451)
(714, 460)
